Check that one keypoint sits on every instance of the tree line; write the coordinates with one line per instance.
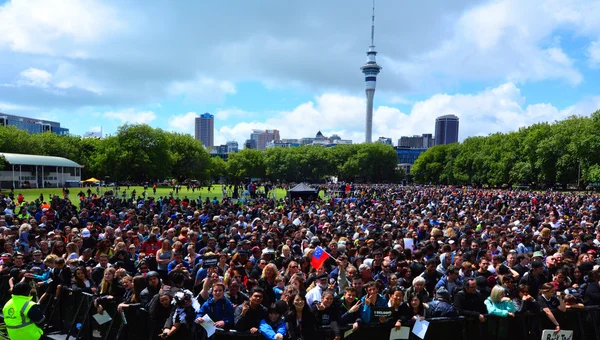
(563, 153)
(143, 153)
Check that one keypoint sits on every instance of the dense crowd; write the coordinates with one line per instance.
(368, 254)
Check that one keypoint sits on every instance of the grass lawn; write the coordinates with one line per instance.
(216, 191)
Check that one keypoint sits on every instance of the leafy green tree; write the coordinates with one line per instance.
(218, 167)
(246, 163)
(189, 159)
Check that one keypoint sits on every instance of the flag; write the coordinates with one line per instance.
(318, 258)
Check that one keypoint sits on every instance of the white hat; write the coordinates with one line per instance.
(85, 233)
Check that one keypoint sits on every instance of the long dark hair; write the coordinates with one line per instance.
(292, 314)
(139, 284)
(77, 280)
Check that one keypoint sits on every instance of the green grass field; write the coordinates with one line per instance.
(216, 191)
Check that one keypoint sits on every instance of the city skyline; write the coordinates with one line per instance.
(497, 65)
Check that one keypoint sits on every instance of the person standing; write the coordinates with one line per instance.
(22, 315)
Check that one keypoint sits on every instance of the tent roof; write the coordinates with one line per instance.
(23, 159)
(302, 188)
(91, 180)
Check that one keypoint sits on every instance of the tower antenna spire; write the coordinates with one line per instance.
(373, 26)
(370, 70)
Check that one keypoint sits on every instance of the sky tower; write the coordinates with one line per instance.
(370, 70)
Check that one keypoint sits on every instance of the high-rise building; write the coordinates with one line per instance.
(446, 129)
(251, 144)
(424, 141)
(370, 70)
(32, 125)
(232, 146)
(260, 138)
(205, 130)
(385, 140)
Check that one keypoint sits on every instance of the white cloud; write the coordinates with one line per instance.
(508, 40)
(594, 54)
(499, 109)
(96, 128)
(66, 77)
(34, 77)
(183, 123)
(69, 76)
(225, 114)
(130, 116)
(54, 27)
(13, 107)
(398, 100)
(202, 88)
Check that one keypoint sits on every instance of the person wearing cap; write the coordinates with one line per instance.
(321, 285)
(441, 307)
(21, 315)
(535, 277)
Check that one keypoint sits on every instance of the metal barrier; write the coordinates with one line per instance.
(70, 317)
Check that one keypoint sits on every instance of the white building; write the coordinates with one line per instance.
(37, 171)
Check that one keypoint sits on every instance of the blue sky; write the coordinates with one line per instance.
(295, 65)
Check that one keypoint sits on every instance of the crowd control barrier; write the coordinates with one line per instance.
(70, 317)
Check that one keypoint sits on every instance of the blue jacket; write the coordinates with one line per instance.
(221, 310)
(442, 309)
(443, 282)
(366, 312)
(44, 277)
(269, 332)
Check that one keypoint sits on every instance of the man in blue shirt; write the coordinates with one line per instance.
(178, 263)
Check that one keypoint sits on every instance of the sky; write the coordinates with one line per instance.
(295, 65)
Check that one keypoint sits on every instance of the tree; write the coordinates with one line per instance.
(218, 167)
(247, 163)
(189, 159)
(145, 152)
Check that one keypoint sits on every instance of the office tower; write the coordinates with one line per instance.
(446, 129)
(205, 130)
(424, 141)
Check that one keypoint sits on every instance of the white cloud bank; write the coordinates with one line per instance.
(498, 109)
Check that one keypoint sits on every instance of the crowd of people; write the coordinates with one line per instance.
(374, 254)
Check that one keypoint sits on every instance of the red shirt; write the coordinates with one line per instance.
(150, 248)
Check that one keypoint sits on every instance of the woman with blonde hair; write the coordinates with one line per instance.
(163, 256)
(73, 252)
(109, 290)
(499, 304)
(292, 268)
(267, 282)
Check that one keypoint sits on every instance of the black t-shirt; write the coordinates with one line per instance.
(485, 274)
(553, 303)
